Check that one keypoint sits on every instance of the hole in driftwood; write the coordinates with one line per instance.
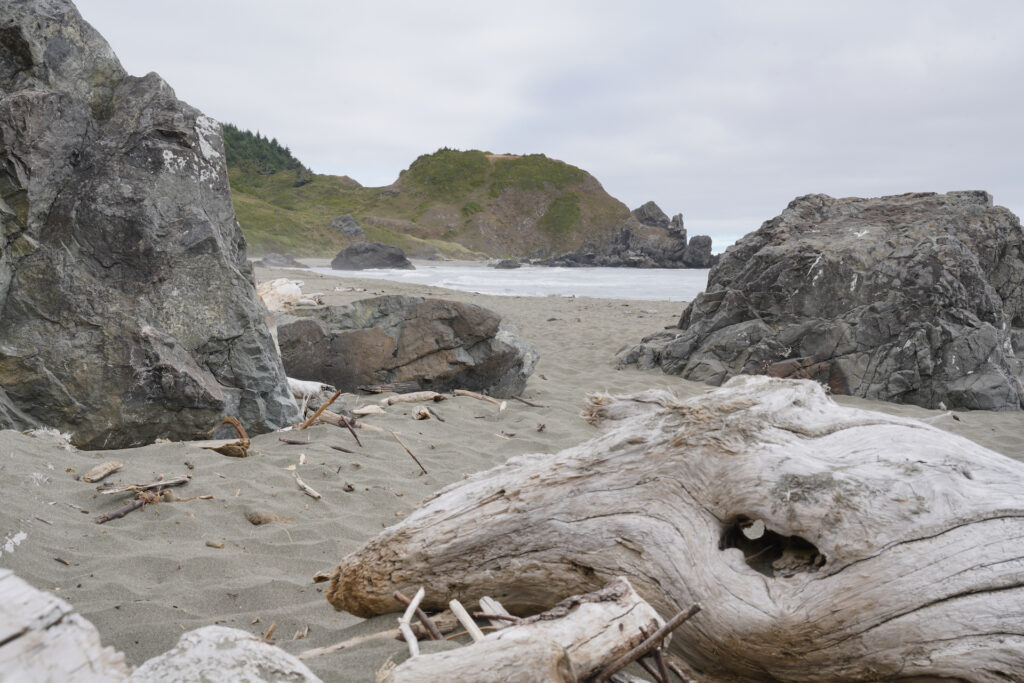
(768, 552)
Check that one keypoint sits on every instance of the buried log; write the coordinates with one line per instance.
(589, 632)
(889, 548)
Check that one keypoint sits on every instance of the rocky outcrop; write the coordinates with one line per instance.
(127, 308)
(506, 264)
(348, 226)
(648, 239)
(363, 255)
(650, 214)
(440, 344)
(274, 260)
(915, 298)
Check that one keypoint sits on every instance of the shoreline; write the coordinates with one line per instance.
(147, 578)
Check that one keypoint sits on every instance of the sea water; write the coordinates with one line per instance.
(646, 284)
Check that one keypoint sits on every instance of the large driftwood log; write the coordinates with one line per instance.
(42, 639)
(824, 543)
(575, 640)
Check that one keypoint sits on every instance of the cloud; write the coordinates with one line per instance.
(721, 111)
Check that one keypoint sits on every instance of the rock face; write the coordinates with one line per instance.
(698, 253)
(441, 344)
(915, 298)
(363, 255)
(127, 307)
(652, 215)
(348, 226)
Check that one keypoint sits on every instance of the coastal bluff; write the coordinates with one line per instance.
(914, 298)
(128, 311)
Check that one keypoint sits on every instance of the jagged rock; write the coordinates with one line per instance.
(698, 253)
(441, 344)
(915, 298)
(652, 215)
(279, 261)
(348, 226)
(219, 653)
(127, 308)
(677, 223)
(363, 255)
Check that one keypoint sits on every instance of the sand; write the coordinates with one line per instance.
(145, 579)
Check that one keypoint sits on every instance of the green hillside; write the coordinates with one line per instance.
(459, 204)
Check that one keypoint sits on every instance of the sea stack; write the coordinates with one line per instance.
(127, 308)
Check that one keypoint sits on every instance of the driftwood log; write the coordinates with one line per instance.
(824, 543)
(573, 641)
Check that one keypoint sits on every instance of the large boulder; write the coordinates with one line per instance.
(128, 310)
(915, 298)
(363, 255)
(442, 345)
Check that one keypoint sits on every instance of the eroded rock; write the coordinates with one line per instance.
(915, 298)
(363, 255)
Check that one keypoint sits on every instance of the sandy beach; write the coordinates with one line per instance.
(145, 579)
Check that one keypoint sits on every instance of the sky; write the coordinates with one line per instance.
(722, 111)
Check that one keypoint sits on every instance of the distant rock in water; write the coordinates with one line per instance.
(915, 298)
(698, 253)
(441, 345)
(506, 264)
(348, 226)
(650, 214)
(279, 261)
(127, 306)
(363, 255)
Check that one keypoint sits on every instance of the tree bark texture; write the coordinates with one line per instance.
(889, 549)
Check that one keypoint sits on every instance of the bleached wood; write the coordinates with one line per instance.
(42, 639)
(466, 620)
(489, 605)
(414, 397)
(921, 568)
(590, 631)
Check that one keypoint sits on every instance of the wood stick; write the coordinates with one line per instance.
(159, 482)
(348, 426)
(467, 621)
(404, 623)
(529, 403)
(359, 424)
(409, 452)
(444, 621)
(321, 409)
(659, 657)
(479, 397)
(414, 397)
(305, 488)
(340, 448)
(646, 646)
(434, 413)
(100, 471)
(120, 512)
(432, 629)
(651, 670)
(293, 442)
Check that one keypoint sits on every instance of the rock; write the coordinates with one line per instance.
(128, 310)
(698, 253)
(348, 226)
(219, 653)
(363, 255)
(441, 344)
(651, 214)
(506, 264)
(915, 298)
(279, 261)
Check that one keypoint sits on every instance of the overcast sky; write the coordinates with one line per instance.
(722, 111)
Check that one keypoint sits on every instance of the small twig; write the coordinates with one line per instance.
(405, 626)
(305, 488)
(159, 482)
(348, 426)
(62, 561)
(502, 617)
(409, 452)
(467, 621)
(434, 413)
(652, 671)
(340, 448)
(646, 646)
(121, 511)
(321, 409)
(432, 630)
(529, 403)
(293, 442)
(270, 631)
(480, 397)
(659, 657)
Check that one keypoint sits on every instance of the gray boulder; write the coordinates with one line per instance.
(348, 226)
(364, 255)
(650, 214)
(698, 253)
(915, 298)
(127, 307)
(442, 345)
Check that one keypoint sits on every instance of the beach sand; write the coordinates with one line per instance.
(145, 579)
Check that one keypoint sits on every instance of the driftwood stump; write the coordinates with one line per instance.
(824, 543)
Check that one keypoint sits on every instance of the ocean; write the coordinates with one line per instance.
(642, 284)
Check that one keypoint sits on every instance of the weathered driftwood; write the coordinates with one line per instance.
(102, 470)
(590, 631)
(890, 550)
(413, 397)
(42, 639)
